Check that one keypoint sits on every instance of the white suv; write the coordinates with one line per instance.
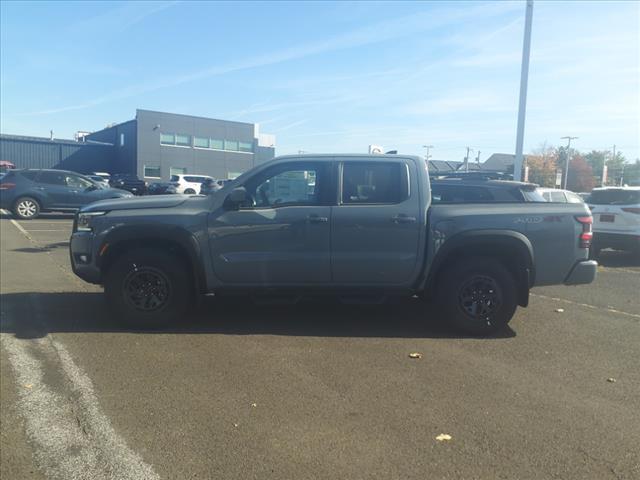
(616, 218)
(189, 184)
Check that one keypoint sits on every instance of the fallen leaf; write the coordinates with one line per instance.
(415, 355)
(443, 437)
(560, 310)
(611, 380)
(28, 385)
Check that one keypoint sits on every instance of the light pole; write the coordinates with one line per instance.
(566, 169)
(524, 77)
(428, 147)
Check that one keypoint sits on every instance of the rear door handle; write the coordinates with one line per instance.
(402, 218)
(317, 219)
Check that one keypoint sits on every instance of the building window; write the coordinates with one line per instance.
(152, 172)
(217, 144)
(167, 139)
(245, 147)
(122, 139)
(200, 142)
(177, 171)
(183, 140)
(231, 145)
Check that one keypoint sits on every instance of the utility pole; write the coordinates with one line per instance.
(478, 158)
(466, 160)
(566, 169)
(524, 78)
(428, 147)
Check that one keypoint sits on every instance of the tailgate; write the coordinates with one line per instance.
(554, 234)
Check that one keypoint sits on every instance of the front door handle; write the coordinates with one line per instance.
(317, 219)
(402, 218)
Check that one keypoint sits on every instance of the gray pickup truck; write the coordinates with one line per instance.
(355, 226)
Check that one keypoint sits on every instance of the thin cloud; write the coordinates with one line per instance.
(118, 19)
(370, 34)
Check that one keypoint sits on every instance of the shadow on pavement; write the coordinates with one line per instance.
(42, 216)
(34, 315)
(43, 248)
(618, 259)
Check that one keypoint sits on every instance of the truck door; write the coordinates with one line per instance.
(281, 236)
(376, 224)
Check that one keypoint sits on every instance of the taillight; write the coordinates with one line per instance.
(7, 186)
(632, 210)
(586, 236)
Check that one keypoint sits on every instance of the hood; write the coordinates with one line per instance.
(131, 203)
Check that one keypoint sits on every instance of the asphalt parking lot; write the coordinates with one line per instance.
(314, 390)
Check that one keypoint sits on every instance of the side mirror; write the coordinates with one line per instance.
(236, 197)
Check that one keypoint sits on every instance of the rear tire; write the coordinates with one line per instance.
(148, 288)
(478, 296)
(189, 191)
(26, 208)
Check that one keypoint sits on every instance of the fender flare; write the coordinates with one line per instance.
(475, 239)
(154, 233)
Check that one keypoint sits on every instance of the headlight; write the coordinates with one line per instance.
(85, 220)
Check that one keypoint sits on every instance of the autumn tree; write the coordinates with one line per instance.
(580, 177)
(542, 163)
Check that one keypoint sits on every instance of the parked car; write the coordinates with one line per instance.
(210, 185)
(616, 218)
(352, 225)
(478, 190)
(161, 188)
(189, 184)
(6, 165)
(128, 182)
(100, 181)
(557, 195)
(27, 193)
(104, 175)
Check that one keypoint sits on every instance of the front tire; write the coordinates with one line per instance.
(478, 296)
(148, 288)
(26, 208)
(190, 191)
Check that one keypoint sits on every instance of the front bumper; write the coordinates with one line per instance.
(83, 258)
(582, 272)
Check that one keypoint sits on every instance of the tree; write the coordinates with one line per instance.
(580, 177)
(598, 158)
(542, 165)
(632, 173)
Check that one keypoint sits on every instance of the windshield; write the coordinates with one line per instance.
(614, 196)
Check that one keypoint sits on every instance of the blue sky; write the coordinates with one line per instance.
(328, 77)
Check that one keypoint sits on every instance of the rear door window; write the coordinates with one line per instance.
(380, 182)
(194, 179)
(29, 174)
(53, 178)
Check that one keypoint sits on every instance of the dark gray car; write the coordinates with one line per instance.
(359, 226)
(28, 192)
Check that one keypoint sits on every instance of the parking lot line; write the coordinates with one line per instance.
(31, 230)
(593, 307)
